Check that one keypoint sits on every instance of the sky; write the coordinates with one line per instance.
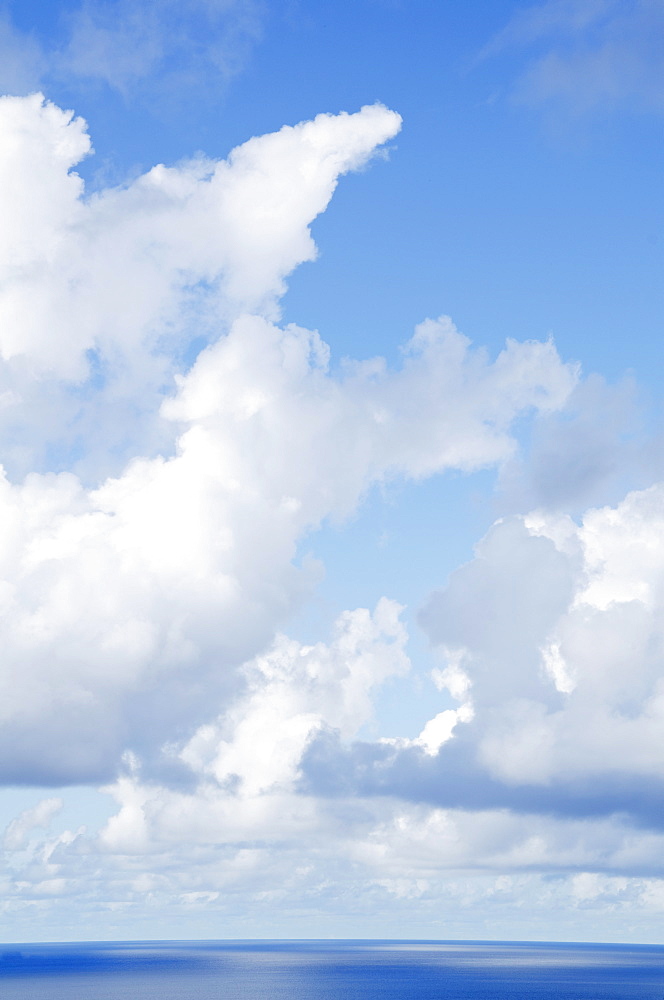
(332, 514)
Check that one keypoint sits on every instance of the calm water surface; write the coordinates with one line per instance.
(331, 970)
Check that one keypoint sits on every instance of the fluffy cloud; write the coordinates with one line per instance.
(131, 601)
(112, 293)
(554, 647)
(168, 448)
(554, 635)
(566, 662)
(295, 690)
(144, 588)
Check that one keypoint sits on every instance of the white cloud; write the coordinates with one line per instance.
(561, 630)
(553, 642)
(293, 692)
(143, 591)
(129, 603)
(109, 292)
(546, 599)
(367, 862)
(40, 815)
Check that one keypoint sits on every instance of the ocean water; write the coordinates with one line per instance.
(331, 970)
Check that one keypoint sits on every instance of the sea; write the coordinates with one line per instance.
(331, 970)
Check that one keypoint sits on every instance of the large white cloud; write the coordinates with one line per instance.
(555, 636)
(168, 446)
(130, 602)
(108, 293)
(553, 662)
(144, 589)
(558, 626)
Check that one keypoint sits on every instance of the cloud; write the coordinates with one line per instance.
(591, 452)
(292, 692)
(146, 583)
(128, 43)
(575, 692)
(546, 797)
(553, 635)
(170, 448)
(109, 294)
(591, 54)
(213, 855)
(40, 815)
(135, 587)
(156, 55)
(553, 638)
(21, 59)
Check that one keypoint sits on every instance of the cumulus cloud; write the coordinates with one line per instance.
(146, 583)
(168, 446)
(570, 681)
(295, 690)
(552, 763)
(537, 794)
(554, 644)
(132, 597)
(108, 293)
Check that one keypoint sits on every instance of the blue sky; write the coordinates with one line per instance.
(332, 564)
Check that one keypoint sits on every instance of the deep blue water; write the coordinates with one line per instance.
(331, 970)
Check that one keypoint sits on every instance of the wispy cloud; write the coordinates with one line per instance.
(159, 55)
(132, 44)
(588, 54)
(22, 59)
(21, 827)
